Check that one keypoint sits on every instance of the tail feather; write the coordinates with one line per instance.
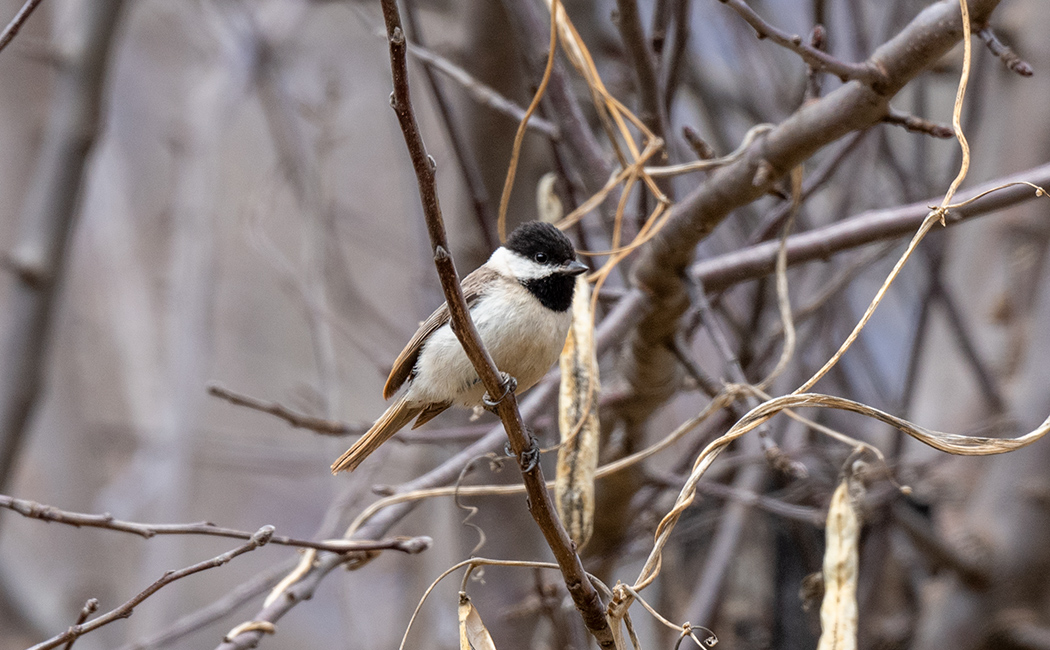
(393, 420)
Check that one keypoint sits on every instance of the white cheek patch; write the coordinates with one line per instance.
(520, 268)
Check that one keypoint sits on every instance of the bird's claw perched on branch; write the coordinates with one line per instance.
(510, 384)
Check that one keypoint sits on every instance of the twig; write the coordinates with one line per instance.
(34, 510)
(217, 609)
(917, 124)
(16, 23)
(818, 40)
(1003, 51)
(468, 162)
(90, 607)
(294, 418)
(259, 538)
(867, 72)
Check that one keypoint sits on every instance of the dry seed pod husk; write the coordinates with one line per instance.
(473, 635)
(838, 612)
(578, 422)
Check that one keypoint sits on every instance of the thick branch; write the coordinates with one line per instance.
(47, 219)
(720, 272)
(649, 368)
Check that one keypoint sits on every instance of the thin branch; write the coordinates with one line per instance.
(1003, 52)
(632, 33)
(219, 608)
(468, 162)
(867, 72)
(260, 538)
(34, 510)
(89, 608)
(583, 593)
(294, 418)
(917, 124)
(16, 23)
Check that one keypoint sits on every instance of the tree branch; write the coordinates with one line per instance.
(16, 23)
(868, 72)
(48, 217)
(260, 538)
(649, 368)
(720, 272)
(541, 506)
(34, 510)
(298, 420)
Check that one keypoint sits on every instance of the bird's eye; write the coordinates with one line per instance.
(540, 257)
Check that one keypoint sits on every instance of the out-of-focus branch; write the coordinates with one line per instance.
(540, 503)
(1003, 51)
(47, 219)
(917, 124)
(717, 273)
(649, 368)
(16, 23)
(633, 35)
(260, 538)
(298, 420)
(217, 609)
(868, 72)
(34, 510)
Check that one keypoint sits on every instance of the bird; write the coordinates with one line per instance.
(521, 303)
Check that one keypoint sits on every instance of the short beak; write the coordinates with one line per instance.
(575, 268)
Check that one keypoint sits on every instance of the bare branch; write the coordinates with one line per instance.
(16, 23)
(34, 510)
(1003, 51)
(875, 225)
(47, 218)
(583, 593)
(919, 125)
(260, 538)
(867, 72)
(298, 420)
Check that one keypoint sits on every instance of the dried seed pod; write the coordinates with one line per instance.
(578, 422)
(473, 635)
(838, 612)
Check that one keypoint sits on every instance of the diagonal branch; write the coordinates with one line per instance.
(868, 72)
(541, 507)
(16, 23)
(648, 366)
(260, 538)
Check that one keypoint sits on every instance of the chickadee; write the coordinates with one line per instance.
(520, 302)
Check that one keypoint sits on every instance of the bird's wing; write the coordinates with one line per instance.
(404, 366)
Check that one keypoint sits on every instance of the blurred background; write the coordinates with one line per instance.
(240, 209)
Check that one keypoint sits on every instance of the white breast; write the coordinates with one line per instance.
(523, 337)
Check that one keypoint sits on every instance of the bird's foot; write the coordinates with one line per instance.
(510, 384)
(529, 458)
